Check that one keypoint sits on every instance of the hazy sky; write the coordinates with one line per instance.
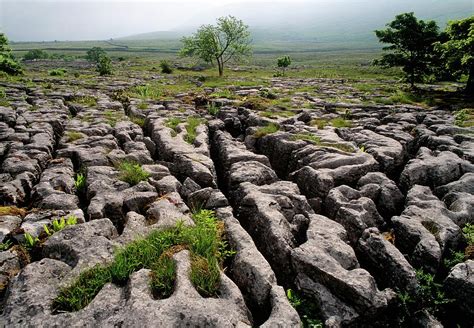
(36, 20)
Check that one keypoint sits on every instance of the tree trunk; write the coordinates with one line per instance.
(220, 65)
(470, 82)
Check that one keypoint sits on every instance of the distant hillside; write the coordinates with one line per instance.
(322, 22)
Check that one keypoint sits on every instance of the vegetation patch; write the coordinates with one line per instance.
(73, 136)
(269, 129)
(319, 122)
(464, 118)
(307, 137)
(138, 120)
(306, 309)
(173, 123)
(144, 92)
(85, 100)
(340, 122)
(57, 72)
(132, 173)
(192, 124)
(154, 252)
(12, 210)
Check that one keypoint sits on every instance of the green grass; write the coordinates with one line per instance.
(57, 72)
(138, 120)
(464, 118)
(224, 93)
(307, 137)
(85, 100)
(192, 124)
(132, 173)
(142, 105)
(340, 122)
(80, 182)
(173, 123)
(265, 130)
(145, 92)
(319, 122)
(154, 252)
(73, 136)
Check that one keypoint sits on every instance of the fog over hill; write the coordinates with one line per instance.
(312, 21)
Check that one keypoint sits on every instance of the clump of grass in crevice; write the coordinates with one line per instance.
(307, 137)
(113, 117)
(73, 136)
(340, 122)
(173, 123)
(85, 100)
(204, 241)
(319, 122)
(269, 129)
(142, 105)
(192, 124)
(213, 109)
(138, 120)
(132, 173)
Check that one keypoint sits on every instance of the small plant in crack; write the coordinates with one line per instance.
(213, 109)
(30, 242)
(269, 129)
(5, 245)
(192, 124)
(59, 224)
(80, 183)
(305, 308)
(173, 123)
(155, 252)
(132, 173)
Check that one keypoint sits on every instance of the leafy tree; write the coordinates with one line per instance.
(94, 54)
(8, 63)
(36, 54)
(458, 50)
(104, 65)
(411, 46)
(229, 40)
(283, 63)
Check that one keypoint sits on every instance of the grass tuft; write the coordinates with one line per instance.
(340, 122)
(269, 129)
(132, 173)
(191, 129)
(73, 136)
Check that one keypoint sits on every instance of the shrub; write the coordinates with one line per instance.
(166, 67)
(132, 173)
(57, 72)
(283, 63)
(9, 65)
(94, 54)
(104, 65)
(269, 129)
(36, 54)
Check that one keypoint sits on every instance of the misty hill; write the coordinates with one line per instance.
(320, 21)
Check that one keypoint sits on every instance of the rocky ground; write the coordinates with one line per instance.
(352, 205)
